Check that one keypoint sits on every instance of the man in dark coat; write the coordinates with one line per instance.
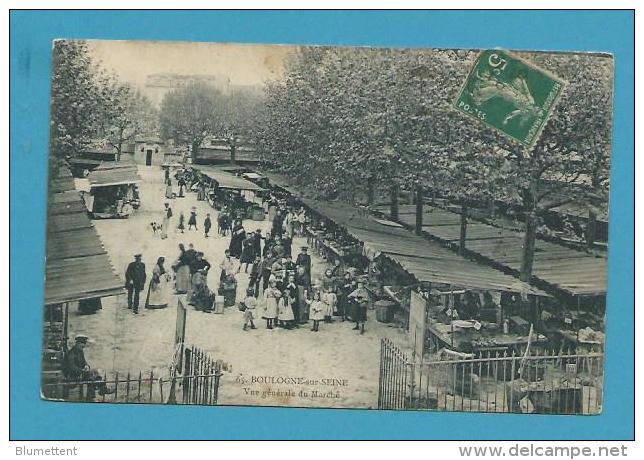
(257, 242)
(76, 369)
(206, 225)
(304, 260)
(134, 282)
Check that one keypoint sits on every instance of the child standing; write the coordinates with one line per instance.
(206, 225)
(317, 310)
(248, 305)
(285, 315)
(192, 221)
(330, 300)
(271, 298)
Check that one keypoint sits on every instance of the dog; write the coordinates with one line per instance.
(156, 227)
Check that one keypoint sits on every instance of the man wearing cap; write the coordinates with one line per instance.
(304, 260)
(76, 368)
(134, 282)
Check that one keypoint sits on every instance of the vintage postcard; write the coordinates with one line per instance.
(327, 227)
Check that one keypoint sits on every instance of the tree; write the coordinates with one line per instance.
(75, 99)
(191, 113)
(128, 113)
(574, 144)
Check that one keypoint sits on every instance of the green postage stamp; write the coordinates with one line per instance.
(510, 95)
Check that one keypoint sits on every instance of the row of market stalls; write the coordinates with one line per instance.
(230, 190)
(577, 274)
(451, 301)
(110, 190)
(78, 269)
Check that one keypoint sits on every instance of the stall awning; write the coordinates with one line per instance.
(77, 264)
(423, 259)
(80, 278)
(227, 180)
(574, 272)
(113, 173)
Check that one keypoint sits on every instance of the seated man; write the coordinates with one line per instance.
(76, 369)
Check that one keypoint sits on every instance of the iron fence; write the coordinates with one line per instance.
(545, 382)
(197, 383)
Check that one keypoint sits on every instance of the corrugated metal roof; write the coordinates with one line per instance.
(112, 173)
(226, 179)
(78, 266)
(576, 272)
(425, 260)
(87, 277)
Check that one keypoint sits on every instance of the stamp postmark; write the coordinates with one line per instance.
(510, 95)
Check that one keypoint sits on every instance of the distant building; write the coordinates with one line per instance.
(157, 85)
(216, 151)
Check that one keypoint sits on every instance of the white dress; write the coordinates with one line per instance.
(285, 310)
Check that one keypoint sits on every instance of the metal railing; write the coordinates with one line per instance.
(545, 382)
(140, 388)
(195, 382)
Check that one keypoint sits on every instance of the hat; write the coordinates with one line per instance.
(258, 230)
(304, 248)
(138, 255)
(81, 338)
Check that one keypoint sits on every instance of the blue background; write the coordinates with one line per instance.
(31, 35)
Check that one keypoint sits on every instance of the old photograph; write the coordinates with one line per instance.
(327, 227)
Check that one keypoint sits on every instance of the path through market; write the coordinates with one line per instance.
(257, 361)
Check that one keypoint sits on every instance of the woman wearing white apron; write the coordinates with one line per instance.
(158, 288)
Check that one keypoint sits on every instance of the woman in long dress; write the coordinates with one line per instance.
(182, 270)
(238, 235)
(271, 298)
(158, 289)
(169, 193)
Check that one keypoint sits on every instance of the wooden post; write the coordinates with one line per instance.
(463, 235)
(591, 230)
(419, 210)
(393, 211)
(528, 247)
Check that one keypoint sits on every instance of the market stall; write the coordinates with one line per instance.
(112, 190)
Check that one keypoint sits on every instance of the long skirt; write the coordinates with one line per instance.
(166, 224)
(169, 193)
(182, 284)
(158, 296)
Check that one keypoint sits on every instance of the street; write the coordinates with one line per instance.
(123, 342)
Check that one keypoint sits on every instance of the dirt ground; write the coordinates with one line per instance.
(336, 367)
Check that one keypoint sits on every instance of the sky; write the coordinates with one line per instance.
(132, 61)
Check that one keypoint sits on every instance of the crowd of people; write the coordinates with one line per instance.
(281, 289)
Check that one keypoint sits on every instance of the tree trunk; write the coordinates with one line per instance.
(527, 258)
(461, 242)
(195, 148)
(371, 192)
(393, 211)
(591, 230)
(233, 147)
(419, 210)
